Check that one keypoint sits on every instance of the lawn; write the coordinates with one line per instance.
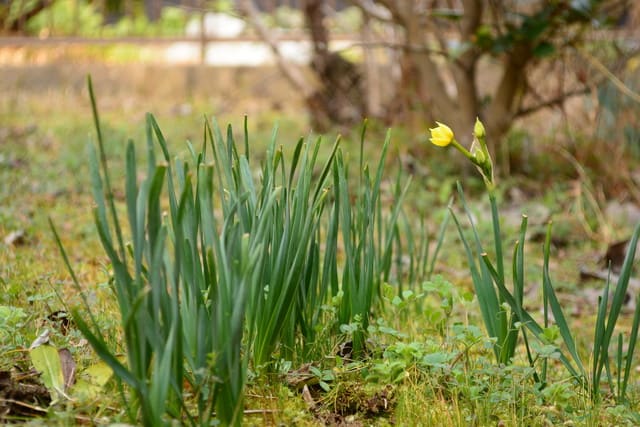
(351, 318)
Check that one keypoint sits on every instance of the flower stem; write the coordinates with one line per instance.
(463, 150)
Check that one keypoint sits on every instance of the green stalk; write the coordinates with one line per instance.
(497, 238)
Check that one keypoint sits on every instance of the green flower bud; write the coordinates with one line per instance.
(478, 129)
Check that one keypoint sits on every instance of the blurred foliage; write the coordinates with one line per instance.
(66, 17)
(617, 120)
(86, 18)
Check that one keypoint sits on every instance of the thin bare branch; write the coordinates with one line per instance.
(291, 72)
(407, 47)
(397, 15)
(619, 84)
(373, 10)
(556, 101)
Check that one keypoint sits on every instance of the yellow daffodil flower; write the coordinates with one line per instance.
(442, 135)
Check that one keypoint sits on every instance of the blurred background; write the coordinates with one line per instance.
(554, 82)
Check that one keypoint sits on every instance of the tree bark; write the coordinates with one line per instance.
(422, 95)
(340, 98)
(371, 72)
(508, 97)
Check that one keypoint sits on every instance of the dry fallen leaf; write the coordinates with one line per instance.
(68, 367)
(15, 238)
(308, 399)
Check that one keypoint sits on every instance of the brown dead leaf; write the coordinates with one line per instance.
(68, 367)
(15, 238)
(301, 377)
(615, 255)
(308, 399)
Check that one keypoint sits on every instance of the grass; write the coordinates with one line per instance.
(426, 350)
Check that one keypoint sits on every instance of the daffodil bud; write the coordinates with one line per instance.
(442, 135)
(478, 129)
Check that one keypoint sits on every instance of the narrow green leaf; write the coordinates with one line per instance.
(326, 169)
(160, 137)
(441, 234)
(131, 188)
(530, 323)
(487, 299)
(631, 346)
(98, 188)
(247, 154)
(294, 161)
(74, 278)
(105, 171)
(556, 308)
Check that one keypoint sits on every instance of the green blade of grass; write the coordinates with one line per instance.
(105, 170)
(631, 346)
(556, 308)
(528, 321)
(487, 299)
(101, 348)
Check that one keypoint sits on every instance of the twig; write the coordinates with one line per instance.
(585, 191)
(373, 11)
(634, 284)
(25, 405)
(259, 396)
(553, 102)
(259, 411)
(392, 7)
(291, 72)
(622, 87)
(396, 45)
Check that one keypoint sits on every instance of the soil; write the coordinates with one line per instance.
(21, 396)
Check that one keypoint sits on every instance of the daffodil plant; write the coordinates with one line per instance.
(488, 279)
(502, 309)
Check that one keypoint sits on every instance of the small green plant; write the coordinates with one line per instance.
(175, 318)
(368, 237)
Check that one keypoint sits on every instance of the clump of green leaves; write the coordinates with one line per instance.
(223, 266)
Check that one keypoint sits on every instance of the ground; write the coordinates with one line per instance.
(418, 370)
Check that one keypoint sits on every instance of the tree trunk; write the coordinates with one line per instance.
(371, 72)
(153, 9)
(422, 96)
(508, 96)
(340, 98)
